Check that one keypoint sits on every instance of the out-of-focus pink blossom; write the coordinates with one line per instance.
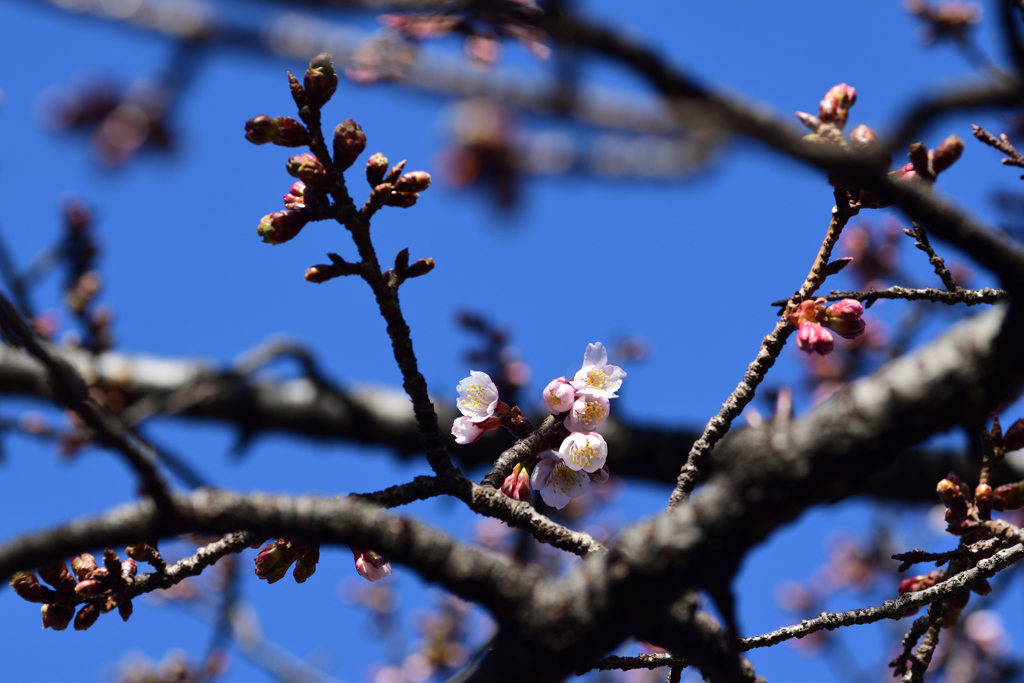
(556, 483)
(600, 476)
(596, 377)
(371, 565)
(584, 451)
(835, 106)
(587, 414)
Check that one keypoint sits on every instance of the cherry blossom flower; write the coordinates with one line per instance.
(555, 481)
(584, 451)
(371, 565)
(478, 396)
(467, 430)
(596, 377)
(587, 414)
(558, 396)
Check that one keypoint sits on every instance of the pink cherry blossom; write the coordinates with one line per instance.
(843, 318)
(584, 451)
(558, 396)
(371, 565)
(467, 430)
(596, 377)
(555, 481)
(478, 396)
(517, 484)
(587, 414)
(813, 338)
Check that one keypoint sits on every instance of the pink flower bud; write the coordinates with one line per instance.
(274, 559)
(349, 143)
(371, 565)
(376, 169)
(307, 168)
(306, 564)
(259, 130)
(813, 338)
(281, 226)
(809, 311)
(835, 107)
(414, 181)
(844, 318)
(517, 484)
(558, 396)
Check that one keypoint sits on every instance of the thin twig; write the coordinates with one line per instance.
(970, 297)
(921, 235)
(70, 391)
(771, 346)
(641, 661)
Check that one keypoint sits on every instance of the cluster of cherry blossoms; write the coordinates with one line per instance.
(563, 474)
(811, 319)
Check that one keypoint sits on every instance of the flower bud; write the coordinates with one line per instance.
(274, 559)
(57, 617)
(952, 496)
(281, 226)
(28, 588)
(124, 609)
(307, 168)
(128, 569)
(320, 81)
(90, 588)
(306, 564)
(947, 153)
(1008, 497)
(813, 338)
(83, 565)
(87, 616)
(863, 137)
(349, 143)
(376, 168)
(415, 181)
(983, 499)
(57, 575)
(259, 130)
(513, 487)
(835, 106)
(843, 318)
(290, 133)
(402, 200)
(295, 198)
(809, 311)
(371, 565)
(111, 562)
(142, 552)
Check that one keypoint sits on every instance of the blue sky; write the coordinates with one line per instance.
(687, 264)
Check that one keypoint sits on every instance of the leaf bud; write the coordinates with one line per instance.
(320, 81)
(402, 200)
(298, 94)
(919, 159)
(420, 267)
(395, 171)
(290, 133)
(863, 137)
(947, 153)
(124, 609)
(57, 575)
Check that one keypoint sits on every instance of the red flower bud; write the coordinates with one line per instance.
(349, 143)
(320, 81)
(259, 130)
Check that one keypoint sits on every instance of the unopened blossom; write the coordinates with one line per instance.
(813, 338)
(809, 311)
(371, 565)
(600, 476)
(478, 396)
(844, 318)
(558, 396)
(596, 377)
(584, 451)
(556, 483)
(835, 106)
(517, 484)
(587, 413)
(469, 430)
